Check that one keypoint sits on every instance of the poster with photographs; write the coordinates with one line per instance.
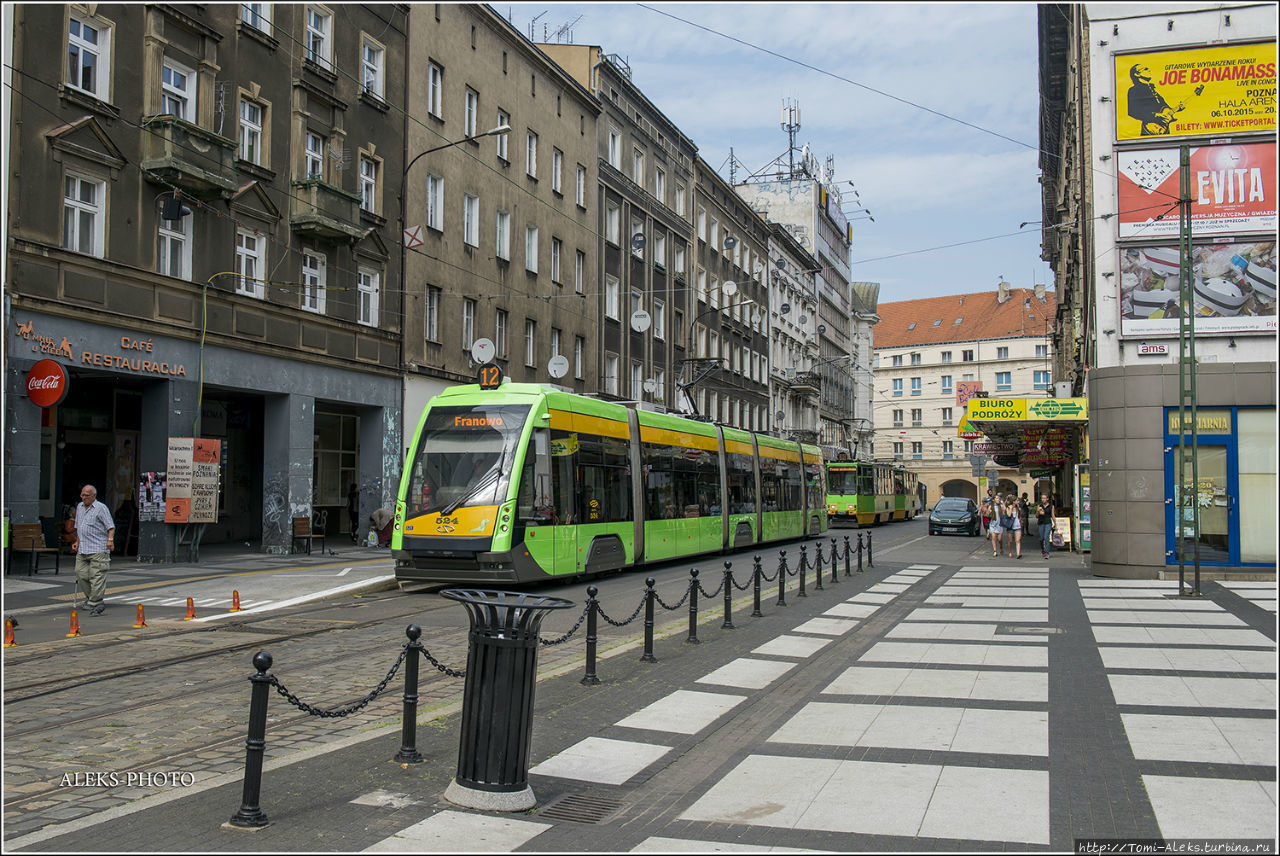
(1235, 289)
(151, 488)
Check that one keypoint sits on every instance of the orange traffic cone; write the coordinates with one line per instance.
(75, 625)
(142, 618)
(235, 600)
(191, 609)
(9, 641)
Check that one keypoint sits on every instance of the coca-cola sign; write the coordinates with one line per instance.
(47, 384)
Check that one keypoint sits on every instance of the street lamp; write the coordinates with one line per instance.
(684, 387)
(492, 132)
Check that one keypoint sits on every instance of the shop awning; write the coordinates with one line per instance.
(1035, 431)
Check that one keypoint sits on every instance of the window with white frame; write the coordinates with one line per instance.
(897, 451)
(660, 185)
(252, 117)
(677, 259)
(372, 61)
(500, 332)
(579, 349)
(897, 418)
(613, 223)
(468, 323)
(435, 202)
(173, 245)
(1041, 379)
(916, 388)
(83, 217)
(531, 154)
(251, 261)
(579, 270)
(435, 90)
(897, 386)
(555, 341)
(637, 300)
(947, 415)
(319, 41)
(502, 239)
(177, 90)
(615, 149)
(637, 247)
(433, 314)
(531, 249)
(580, 186)
(89, 56)
(503, 119)
(917, 451)
(471, 220)
(1002, 353)
(611, 296)
(313, 156)
(1004, 380)
(948, 449)
(946, 384)
(637, 167)
(256, 15)
(557, 248)
(313, 281)
(714, 240)
(701, 287)
(660, 249)
(1042, 352)
(470, 112)
(679, 200)
(897, 360)
(637, 379)
(611, 374)
(368, 184)
(659, 319)
(946, 356)
(557, 168)
(917, 417)
(367, 287)
(530, 341)
(659, 384)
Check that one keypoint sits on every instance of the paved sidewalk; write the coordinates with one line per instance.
(1012, 705)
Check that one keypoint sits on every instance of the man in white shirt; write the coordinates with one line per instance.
(94, 540)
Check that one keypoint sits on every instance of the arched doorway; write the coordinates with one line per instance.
(962, 488)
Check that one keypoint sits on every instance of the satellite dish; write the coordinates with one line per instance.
(784, 309)
(730, 242)
(558, 366)
(640, 320)
(729, 287)
(780, 416)
(803, 319)
(483, 350)
(637, 241)
(780, 263)
(650, 385)
(822, 328)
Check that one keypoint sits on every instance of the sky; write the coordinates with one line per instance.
(880, 88)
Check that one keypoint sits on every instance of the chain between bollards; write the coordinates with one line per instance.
(649, 594)
(593, 608)
(693, 607)
(409, 753)
(250, 815)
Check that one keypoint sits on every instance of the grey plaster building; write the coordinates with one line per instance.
(208, 256)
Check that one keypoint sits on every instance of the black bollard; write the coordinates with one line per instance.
(846, 555)
(593, 607)
(649, 595)
(250, 815)
(870, 564)
(409, 753)
(800, 566)
(835, 571)
(817, 571)
(728, 596)
(756, 573)
(859, 552)
(782, 578)
(693, 607)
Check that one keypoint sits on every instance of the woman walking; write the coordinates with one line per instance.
(1045, 513)
(1014, 525)
(994, 529)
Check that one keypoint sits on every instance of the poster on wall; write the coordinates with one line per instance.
(1233, 190)
(192, 494)
(1235, 289)
(1213, 90)
(151, 487)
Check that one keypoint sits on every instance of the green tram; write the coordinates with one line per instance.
(867, 493)
(524, 483)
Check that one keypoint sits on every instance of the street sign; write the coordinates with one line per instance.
(979, 463)
(413, 237)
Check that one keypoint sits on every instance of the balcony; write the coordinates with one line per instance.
(199, 161)
(807, 382)
(324, 211)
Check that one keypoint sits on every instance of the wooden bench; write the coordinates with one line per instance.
(302, 533)
(29, 538)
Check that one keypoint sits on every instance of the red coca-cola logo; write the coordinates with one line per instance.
(47, 384)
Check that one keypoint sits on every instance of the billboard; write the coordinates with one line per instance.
(1233, 189)
(1214, 90)
(1235, 289)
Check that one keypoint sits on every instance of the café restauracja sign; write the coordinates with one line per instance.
(133, 357)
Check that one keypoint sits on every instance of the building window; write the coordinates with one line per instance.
(897, 451)
(660, 185)
(611, 374)
(435, 90)
(968, 447)
(468, 323)
(611, 296)
(613, 224)
(89, 56)
(371, 64)
(531, 154)
(637, 380)
(313, 281)
(946, 356)
(177, 90)
(256, 15)
(530, 341)
(946, 416)
(502, 241)
(659, 384)
(917, 417)
(966, 356)
(471, 220)
(251, 122)
(1041, 380)
(1042, 352)
(251, 260)
(503, 119)
(435, 202)
(557, 167)
(313, 156)
(897, 360)
(946, 384)
(659, 319)
(677, 260)
(680, 200)
(637, 167)
(433, 314)
(580, 187)
(637, 231)
(174, 248)
(948, 449)
(82, 214)
(318, 42)
(470, 112)
(555, 341)
(917, 451)
(897, 418)
(897, 386)
(531, 249)
(367, 281)
(615, 149)
(557, 248)
(579, 347)
(1002, 353)
(660, 250)
(368, 184)
(702, 225)
(915, 386)
(915, 359)
(714, 240)
(1004, 381)
(500, 332)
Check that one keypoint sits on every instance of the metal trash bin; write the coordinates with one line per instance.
(497, 698)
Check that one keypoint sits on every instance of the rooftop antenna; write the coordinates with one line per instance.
(791, 124)
(532, 37)
(564, 35)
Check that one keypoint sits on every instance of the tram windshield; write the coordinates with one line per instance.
(842, 481)
(465, 457)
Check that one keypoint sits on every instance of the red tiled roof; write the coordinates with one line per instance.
(981, 317)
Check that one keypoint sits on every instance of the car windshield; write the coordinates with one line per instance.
(952, 505)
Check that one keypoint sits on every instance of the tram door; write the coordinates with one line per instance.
(559, 457)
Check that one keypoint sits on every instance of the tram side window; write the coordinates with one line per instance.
(769, 490)
(604, 478)
(792, 485)
(742, 484)
(709, 499)
(813, 485)
(660, 484)
(534, 497)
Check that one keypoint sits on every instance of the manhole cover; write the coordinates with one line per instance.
(1027, 628)
(580, 808)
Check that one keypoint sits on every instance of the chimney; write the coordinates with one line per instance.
(1039, 289)
(1002, 292)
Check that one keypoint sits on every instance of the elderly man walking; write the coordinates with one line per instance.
(95, 534)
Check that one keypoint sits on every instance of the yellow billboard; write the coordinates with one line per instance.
(1218, 89)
